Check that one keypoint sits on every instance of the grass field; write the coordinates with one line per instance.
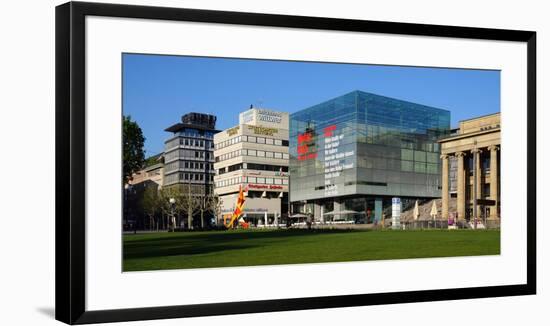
(270, 247)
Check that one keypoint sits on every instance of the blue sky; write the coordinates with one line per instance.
(158, 90)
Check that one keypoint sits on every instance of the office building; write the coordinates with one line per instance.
(254, 155)
(189, 153)
(349, 156)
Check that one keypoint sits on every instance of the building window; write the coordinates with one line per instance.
(431, 168)
(487, 190)
(407, 166)
(419, 167)
(269, 141)
(278, 142)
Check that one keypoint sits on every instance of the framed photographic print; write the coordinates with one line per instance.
(212, 163)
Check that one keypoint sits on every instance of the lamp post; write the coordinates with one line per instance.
(173, 222)
(476, 154)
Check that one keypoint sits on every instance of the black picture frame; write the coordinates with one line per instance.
(70, 162)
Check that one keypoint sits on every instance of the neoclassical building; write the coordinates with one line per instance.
(470, 161)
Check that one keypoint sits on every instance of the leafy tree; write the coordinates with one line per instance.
(132, 151)
(151, 205)
(170, 209)
(151, 160)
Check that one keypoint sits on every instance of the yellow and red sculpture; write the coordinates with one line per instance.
(238, 212)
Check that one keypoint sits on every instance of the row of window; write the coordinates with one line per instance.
(251, 139)
(251, 152)
(419, 156)
(175, 177)
(193, 133)
(189, 142)
(195, 176)
(419, 167)
(187, 154)
(253, 166)
(188, 165)
(256, 180)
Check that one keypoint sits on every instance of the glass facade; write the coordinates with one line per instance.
(361, 144)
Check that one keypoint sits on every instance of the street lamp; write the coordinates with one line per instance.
(475, 163)
(172, 202)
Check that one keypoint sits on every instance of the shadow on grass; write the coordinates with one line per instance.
(232, 235)
(205, 243)
(137, 252)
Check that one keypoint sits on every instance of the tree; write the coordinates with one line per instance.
(132, 151)
(176, 200)
(208, 203)
(190, 203)
(151, 205)
(170, 204)
(214, 205)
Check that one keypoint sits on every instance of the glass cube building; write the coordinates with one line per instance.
(350, 155)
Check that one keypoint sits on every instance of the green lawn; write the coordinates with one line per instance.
(269, 247)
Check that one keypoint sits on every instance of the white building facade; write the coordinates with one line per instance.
(254, 155)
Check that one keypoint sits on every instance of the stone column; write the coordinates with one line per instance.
(460, 187)
(476, 152)
(493, 210)
(445, 187)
